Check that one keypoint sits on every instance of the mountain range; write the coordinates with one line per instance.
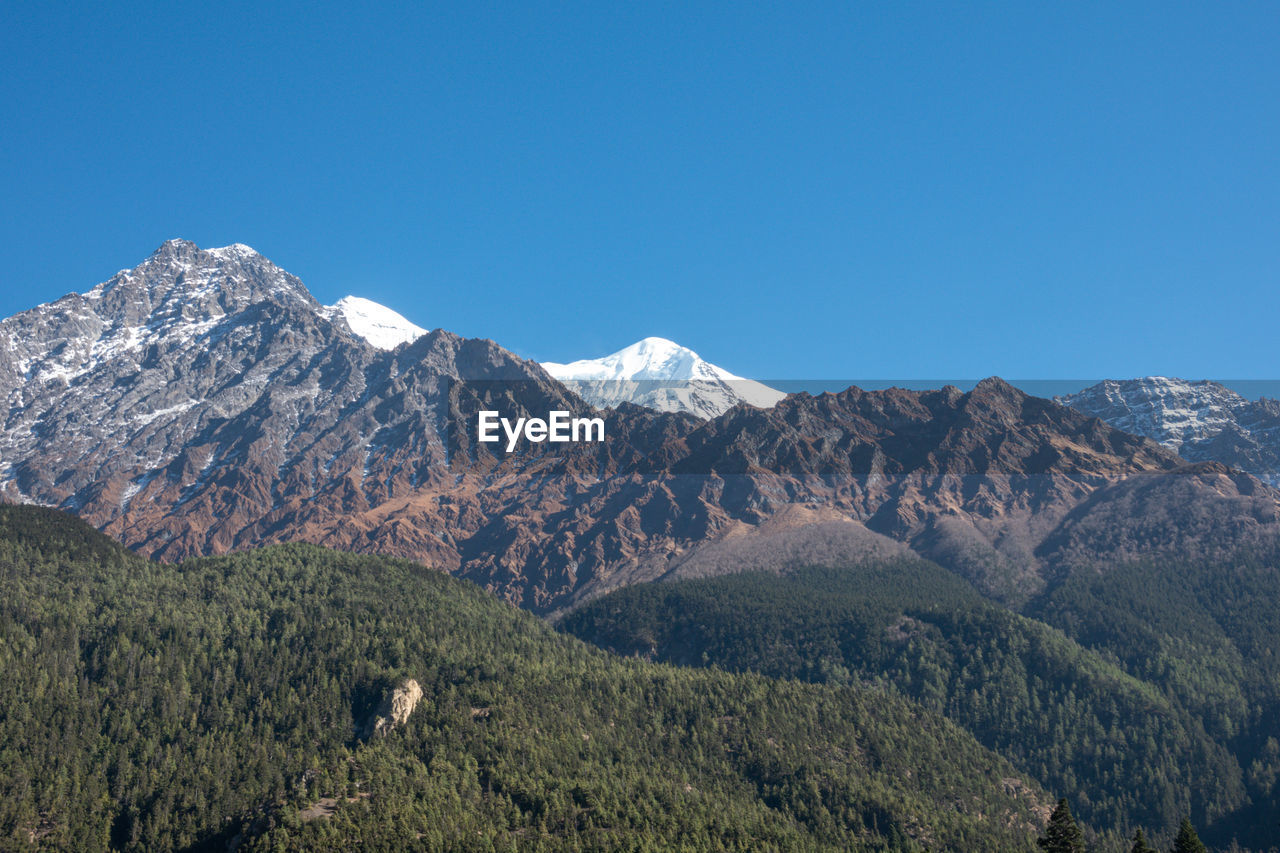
(653, 372)
(204, 401)
(1202, 421)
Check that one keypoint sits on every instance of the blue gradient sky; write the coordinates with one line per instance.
(794, 190)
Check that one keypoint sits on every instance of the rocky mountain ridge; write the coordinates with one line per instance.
(206, 373)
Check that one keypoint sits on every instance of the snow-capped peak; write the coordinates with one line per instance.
(651, 358)
(377, 324)
(663, 375)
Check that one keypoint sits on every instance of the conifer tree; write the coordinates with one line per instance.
(1140, 844)
(1187, 840)
(1062, 835)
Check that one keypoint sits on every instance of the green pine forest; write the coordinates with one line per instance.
(216, 704)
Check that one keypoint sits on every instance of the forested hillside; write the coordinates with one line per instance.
(1147, 694)
(226, 701)
(1207, 633)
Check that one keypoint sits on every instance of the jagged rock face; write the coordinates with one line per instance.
(1201, 421)
(973, 480)
(204, 402)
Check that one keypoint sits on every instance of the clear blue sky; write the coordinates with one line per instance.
(794, 190)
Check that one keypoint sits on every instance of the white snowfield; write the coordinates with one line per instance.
(377, 324)
(663, 375)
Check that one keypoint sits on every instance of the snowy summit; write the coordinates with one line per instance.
(377, 324)
(651, 358)
(661, 374)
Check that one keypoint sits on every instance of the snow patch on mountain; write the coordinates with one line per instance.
(377, 324)
(662, 375)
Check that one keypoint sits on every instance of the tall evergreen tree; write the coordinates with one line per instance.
(1062, 835)
(1187, 840)
(1140, 844)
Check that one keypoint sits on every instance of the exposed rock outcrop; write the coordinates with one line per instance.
(395, 708)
